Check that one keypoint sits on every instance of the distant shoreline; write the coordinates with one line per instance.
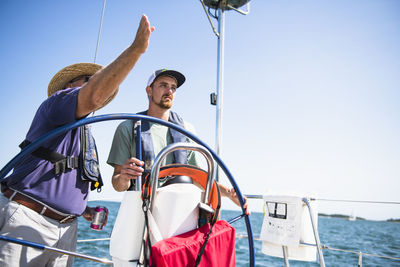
(357, 218)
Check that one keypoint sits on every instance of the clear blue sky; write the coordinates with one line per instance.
(311, 98)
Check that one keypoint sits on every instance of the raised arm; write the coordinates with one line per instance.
(105, 82)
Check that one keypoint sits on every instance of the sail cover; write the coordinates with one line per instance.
(182, 250)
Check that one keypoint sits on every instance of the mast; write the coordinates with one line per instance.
(217, 98)
(220, 84)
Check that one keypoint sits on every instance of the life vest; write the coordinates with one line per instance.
(88, 159)
(180, 156)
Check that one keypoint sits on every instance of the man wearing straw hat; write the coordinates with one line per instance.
(41, 200)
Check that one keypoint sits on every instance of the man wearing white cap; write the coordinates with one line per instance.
(161, 88)
(45, 194)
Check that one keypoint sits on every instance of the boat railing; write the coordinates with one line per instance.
(319, 246)
(323, 247)
(360, 254)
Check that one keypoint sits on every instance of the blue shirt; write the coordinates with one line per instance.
(35, 177)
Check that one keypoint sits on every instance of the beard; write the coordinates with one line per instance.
(163, 103)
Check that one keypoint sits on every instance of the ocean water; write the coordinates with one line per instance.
(371, 237)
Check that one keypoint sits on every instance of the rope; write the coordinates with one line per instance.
(98, 35)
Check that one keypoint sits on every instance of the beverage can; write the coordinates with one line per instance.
(99, 218)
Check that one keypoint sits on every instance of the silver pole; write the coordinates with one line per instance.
(360, 259)
(316, 235)
(138, 127)
(53, 249)
(285, 255)
(220, 83)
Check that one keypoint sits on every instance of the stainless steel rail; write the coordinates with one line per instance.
(155, 170)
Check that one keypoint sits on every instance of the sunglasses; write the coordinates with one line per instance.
(82, 77)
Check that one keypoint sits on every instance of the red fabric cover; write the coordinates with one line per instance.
(182, 250)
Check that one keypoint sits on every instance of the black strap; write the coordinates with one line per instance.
(214, 220)
(65, 164)
(61, 162)
(43, 152)
(145, 208)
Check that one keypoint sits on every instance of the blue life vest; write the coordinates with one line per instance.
(88, 160)
(180, 156)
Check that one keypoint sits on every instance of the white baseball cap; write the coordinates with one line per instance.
(179, 77)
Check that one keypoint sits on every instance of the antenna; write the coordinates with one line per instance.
(220, 6)
(226, 4)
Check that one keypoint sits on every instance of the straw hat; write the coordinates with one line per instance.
(68, 73)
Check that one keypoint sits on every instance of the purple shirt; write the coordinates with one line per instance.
(35, 177)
